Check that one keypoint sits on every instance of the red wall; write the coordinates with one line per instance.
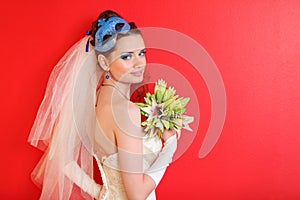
(256, 46)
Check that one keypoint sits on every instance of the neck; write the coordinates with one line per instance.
(124, 88)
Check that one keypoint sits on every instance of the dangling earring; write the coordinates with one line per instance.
(107, 75)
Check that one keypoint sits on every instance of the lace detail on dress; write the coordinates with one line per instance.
(113, 188)
(104, 190)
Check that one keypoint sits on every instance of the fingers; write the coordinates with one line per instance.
(168, 133)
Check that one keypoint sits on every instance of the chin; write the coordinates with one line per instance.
(131, 79)
(139, 80)
(136, 79)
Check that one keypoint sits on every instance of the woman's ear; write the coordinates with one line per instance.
(103, 62)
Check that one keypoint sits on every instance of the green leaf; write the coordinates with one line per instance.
(141, 104)
(160, 125)
(184, 101)
(159, 96)
(166, 123)
(153, 99)
(171, 125)
(148, 95)
(148, 100)
(177, 122)
(169, 101)
(146, 109)
(160, 86)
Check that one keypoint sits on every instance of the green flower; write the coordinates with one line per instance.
(164, 110)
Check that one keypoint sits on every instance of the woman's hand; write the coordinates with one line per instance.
(168, 133)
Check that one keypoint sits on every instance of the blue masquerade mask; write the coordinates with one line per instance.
(106, 35)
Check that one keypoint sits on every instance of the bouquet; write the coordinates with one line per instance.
(164, 110)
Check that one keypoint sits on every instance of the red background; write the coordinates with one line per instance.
(256, 46)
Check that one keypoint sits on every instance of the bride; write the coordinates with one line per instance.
(87, 113)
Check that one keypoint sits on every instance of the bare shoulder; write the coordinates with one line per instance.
(130, 109)
(128, 118)
(135, 112)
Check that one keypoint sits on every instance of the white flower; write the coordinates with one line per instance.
(164, 110)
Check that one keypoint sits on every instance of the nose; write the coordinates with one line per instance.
(139, 61)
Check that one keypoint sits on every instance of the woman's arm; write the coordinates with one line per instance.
(129, 135)
(81, 179)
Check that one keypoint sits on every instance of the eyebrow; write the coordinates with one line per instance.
(144, 49)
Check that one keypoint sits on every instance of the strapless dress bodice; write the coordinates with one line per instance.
(113, 188)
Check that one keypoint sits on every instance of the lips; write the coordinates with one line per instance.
(137, 73)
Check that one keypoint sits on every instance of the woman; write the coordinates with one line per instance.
(76, 122)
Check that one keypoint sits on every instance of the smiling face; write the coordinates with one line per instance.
(127, 61)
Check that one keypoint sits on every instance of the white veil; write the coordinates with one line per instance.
(66, 122)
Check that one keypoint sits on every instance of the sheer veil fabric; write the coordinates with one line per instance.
(66, 122)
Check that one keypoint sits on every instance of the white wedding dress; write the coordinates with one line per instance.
(113, 188)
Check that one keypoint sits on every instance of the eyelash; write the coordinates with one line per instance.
(126, 56)
(129, 55)
(142, 53)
